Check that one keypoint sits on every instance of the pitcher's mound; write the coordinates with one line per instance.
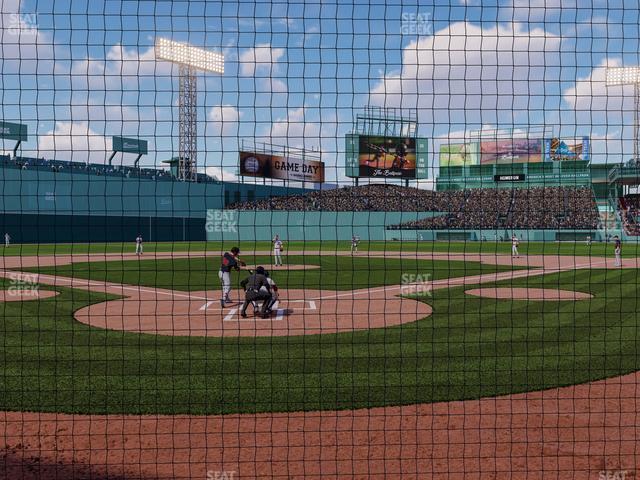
(528, 293)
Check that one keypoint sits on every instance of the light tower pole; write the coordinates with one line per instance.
(629, 76)
(190, 60)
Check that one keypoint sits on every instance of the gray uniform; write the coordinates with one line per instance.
(252, 286)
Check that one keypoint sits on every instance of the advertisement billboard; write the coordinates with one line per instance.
(510, 150)
(458, 154)
(13, 131)
(264, 165)
(558, 150)
(391, 157)
(129, 145)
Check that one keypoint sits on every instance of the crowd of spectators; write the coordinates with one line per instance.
(544, 207)
(629, 207)
(365, 198)
(98, 169)
(527, 208)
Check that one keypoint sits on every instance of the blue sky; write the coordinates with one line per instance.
(298, 73)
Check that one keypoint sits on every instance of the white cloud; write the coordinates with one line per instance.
(465, 74)
(221, 174)
(274, 85)
(119, 68)
(74, 141)
(261, 58)
(25, 49)
(294, 130)
(591, 92)
(224, 120)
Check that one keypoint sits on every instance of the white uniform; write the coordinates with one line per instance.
(277, 251)
(139, 245)
(354, 245)
(514, 246)
(7, 240)
(618, 253)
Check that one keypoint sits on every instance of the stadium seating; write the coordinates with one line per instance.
(97, 169)
(527, 208)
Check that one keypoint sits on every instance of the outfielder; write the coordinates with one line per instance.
(139, 245)
(278, 247)
(618, 251)
(354, 244)
(7, 240)
(514, 247)
(229, 261)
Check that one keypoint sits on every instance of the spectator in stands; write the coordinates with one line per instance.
(543, 207)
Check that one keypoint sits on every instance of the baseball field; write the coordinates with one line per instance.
(405, 358)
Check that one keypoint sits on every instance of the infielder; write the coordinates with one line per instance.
(7, 240)
(514, 247)
(278, 247)
(354, 244)
(618, 251)
(229, 261)
(139, 245)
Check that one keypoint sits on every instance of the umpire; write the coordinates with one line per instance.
(252, 286)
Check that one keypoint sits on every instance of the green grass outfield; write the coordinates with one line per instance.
(531, 248)
(335, 272)
(469, 348)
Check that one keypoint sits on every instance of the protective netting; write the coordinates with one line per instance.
(319, 240)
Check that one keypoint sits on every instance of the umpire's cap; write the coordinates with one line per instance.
(260, 270)
(235, 250)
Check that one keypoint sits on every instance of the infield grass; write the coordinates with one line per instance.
(468, 348)
(325, 272)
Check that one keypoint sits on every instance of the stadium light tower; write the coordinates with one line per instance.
(190, 60)
(629, 76)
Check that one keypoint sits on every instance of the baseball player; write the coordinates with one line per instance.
(354, 244)
(514, 247)
(400, 156)
(278, 247)
(253, 286)
(139, 245)
(229, 261)
(274, 293)
(7, 240)
(618, 251)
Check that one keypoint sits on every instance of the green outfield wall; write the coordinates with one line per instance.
(246, 225)
(597, 235)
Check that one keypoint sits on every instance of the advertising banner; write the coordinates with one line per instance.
(264, 165)
(558, 150)
(511, 150)
(458, 154)
(130, 145)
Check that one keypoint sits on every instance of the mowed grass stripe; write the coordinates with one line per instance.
(470, 347)
(325, 272)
